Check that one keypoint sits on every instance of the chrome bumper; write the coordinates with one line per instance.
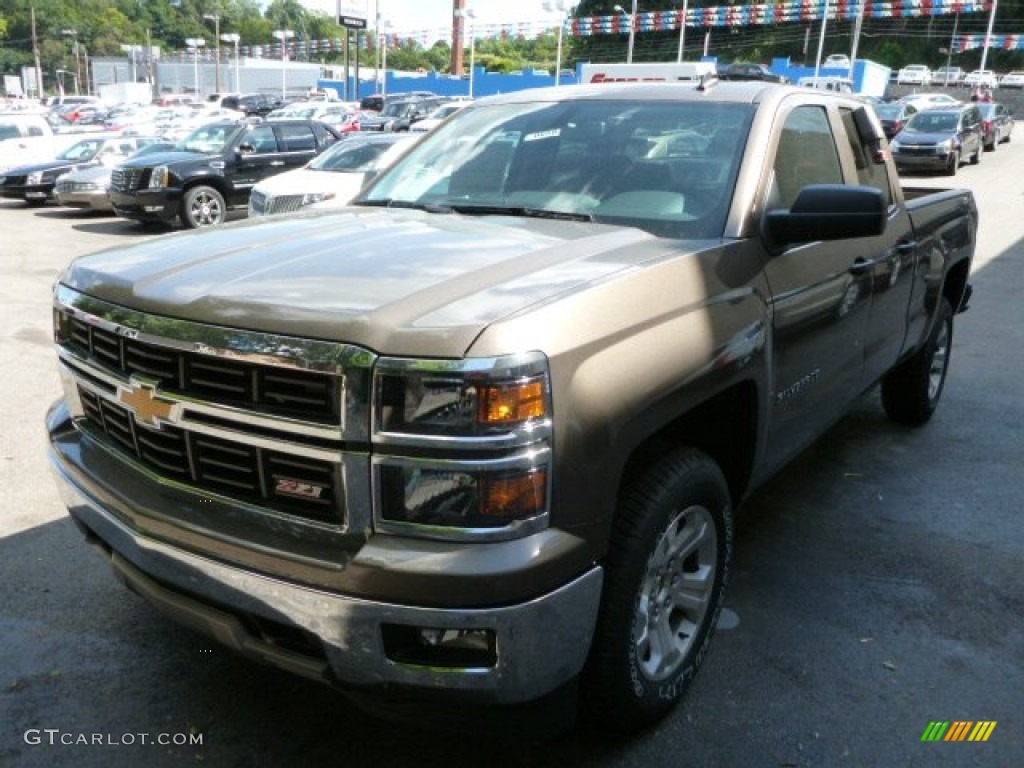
(540, 644)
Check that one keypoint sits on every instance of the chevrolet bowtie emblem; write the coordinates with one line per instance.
(144, 403)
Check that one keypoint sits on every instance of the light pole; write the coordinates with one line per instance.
(632, 30)
(233, 38)
(682, 30)
(215, 18)
(195, 43)
(559, 7)
(73, 34)
(988, 34)
(821, 38)
(383, 25)
(470, 14)
(284, 35)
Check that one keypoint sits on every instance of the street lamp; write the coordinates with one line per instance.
(632, 29)
(234, 37)
(682, 30)
(215, 18)
(195, 43)
(559, 7)
(470, 14)
(383, 26)
(284, 35)
(73, 34)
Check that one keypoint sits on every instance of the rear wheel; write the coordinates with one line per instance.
(202, 206)
(911, 391)
(976, 157)
(665, 577)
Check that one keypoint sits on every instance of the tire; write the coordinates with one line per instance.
(953, 165)
(34, 202)
(674, 526)
(911, 391)
(202, 206)
(976, 157)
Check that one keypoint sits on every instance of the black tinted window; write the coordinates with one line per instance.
(297, 138)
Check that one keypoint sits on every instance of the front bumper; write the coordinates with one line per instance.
(540, 643)
(921, 161)
(28, 192)
(147, 204)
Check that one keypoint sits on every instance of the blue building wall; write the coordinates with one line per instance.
(484, 83)
(868, 78)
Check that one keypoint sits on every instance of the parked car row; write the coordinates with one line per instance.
(941, 138)
(920, 74)
(219, 167)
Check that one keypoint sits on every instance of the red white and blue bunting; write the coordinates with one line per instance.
(963, 43)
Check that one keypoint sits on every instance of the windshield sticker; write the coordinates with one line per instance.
(553, 133)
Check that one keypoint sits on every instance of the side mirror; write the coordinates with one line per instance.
(828, 212)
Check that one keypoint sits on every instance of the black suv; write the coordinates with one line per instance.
(213, 170)
(252, 104)
(747, 71)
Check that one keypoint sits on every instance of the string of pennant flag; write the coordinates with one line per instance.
(661, 21)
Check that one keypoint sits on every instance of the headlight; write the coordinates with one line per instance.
(895, 145)
(463, 398)
(316, 197)
(485, 425)
(159, 177)
(944, 147)
(34, 178)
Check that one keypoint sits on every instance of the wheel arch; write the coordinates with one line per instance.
(725, 427)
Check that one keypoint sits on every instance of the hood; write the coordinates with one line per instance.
(924, 138)
(49, 165)
(396, 282)
(169, 157)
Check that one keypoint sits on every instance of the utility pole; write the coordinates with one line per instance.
(35, 53)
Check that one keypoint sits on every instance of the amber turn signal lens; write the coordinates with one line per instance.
(514, 496)
(511, 403)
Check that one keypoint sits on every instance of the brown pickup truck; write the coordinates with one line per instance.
(483, 433)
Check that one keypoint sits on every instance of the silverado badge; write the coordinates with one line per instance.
(146, 405)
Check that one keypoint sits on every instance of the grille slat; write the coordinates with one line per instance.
(220, 465)
(297, 394)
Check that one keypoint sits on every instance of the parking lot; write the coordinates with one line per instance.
(877, 585)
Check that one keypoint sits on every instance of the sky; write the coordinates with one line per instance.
(418, 15)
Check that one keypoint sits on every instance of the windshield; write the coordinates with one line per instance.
(208, 139)
(83, 150)
(667, 167)
(889, 111)
(351, 157)
(941, 122)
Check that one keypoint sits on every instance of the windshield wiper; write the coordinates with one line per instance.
(392, 203)
(521, 210)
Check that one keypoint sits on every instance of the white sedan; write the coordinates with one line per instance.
(333, 178)
(1012, 80)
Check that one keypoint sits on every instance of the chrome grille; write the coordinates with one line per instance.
(221, 466)
(272, 390)
(284, 204)
(125, 179)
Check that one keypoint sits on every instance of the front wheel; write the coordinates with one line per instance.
(666, 572)
(953, 164)
(202, 207)
(911, 391)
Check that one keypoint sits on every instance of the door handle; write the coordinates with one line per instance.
(863, 266)
(277, 162)
(906, 247)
